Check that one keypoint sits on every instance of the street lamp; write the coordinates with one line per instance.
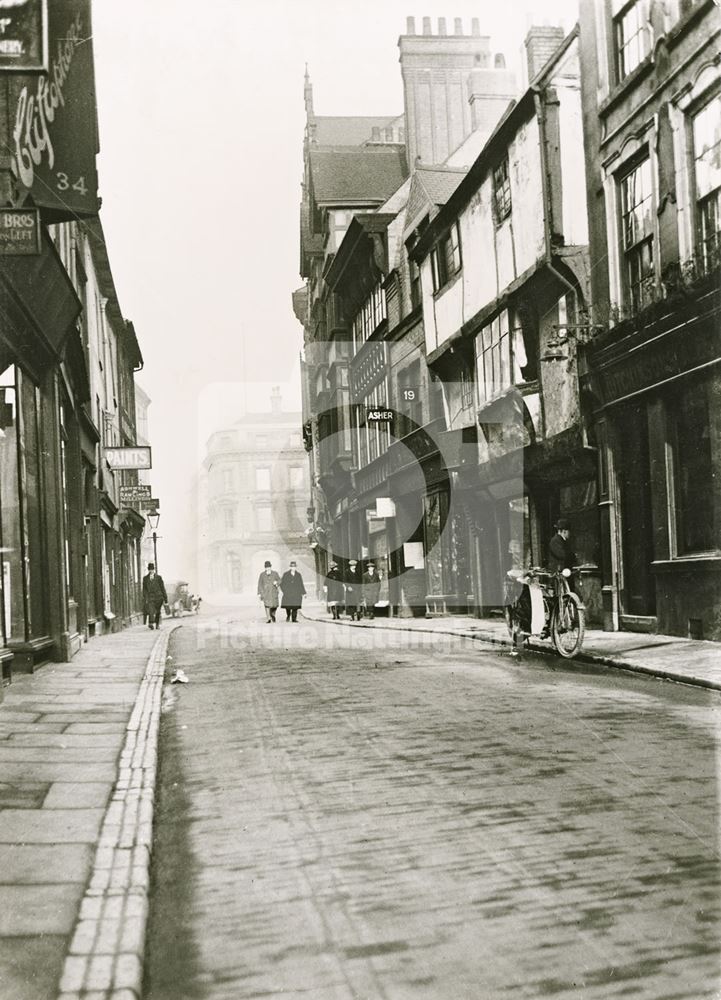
(153, 520)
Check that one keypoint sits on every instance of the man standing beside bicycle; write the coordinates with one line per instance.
(560, 551)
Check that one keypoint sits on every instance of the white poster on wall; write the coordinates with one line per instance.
(413, 555)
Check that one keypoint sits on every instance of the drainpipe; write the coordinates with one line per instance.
(546, 187)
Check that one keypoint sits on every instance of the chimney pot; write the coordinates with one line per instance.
(475, 26)
(458, 25)
(410, 25)
(442, 26)
(427, 26)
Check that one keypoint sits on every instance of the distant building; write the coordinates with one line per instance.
(255, 490)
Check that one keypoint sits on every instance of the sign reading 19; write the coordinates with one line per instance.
(63, 184)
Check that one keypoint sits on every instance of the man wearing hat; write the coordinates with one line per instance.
(268, 584)
(371, 589)
(334, 590)
(293, 590)
(154, 596)
(353, 583)
(560, 553)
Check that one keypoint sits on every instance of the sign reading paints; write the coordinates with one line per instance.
(132, 457)
(23, 35)
(52, 118)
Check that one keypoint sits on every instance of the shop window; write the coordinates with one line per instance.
(637, 233)
(501, 192)
(631, 35)
(446, 258)
(707, 176)
(696, 433)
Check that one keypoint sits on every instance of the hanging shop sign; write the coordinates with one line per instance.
(131, 457)
(376, 415)
(20, 232)
(23, 35)
(150, 504)
(52, 130)
(134, 494)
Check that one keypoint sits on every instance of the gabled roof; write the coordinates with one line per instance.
(329, 130)
(356, 175)
(431, 187)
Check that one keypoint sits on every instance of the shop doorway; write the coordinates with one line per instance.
(633, 478)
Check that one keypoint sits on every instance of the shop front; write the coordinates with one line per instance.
(658, 420)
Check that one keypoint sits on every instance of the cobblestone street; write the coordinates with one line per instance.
(355, 813)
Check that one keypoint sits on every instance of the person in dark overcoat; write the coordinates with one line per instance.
(371, 589)
(154, 596)
(293, 590)
(268, 585)
(334, 590)
(353, 592)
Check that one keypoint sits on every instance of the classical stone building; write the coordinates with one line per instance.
(255, 490)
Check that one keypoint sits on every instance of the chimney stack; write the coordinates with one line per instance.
(541, 42)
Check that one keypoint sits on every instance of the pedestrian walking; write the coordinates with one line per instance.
(293, 590)
(371, 589)
(154, 596)
(353, 584)
(334, 590)
(268, 586)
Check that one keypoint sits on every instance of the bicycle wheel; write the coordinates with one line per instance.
(568, 625)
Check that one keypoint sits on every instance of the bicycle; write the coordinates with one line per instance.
(564, 613)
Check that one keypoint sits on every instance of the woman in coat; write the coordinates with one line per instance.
(293, 590)
(334, 590)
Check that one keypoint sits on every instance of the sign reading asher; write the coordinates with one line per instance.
(132, 457)
(379, 415)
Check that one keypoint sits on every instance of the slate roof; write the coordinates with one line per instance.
(430, 187)
(356, 175)
(328, 130)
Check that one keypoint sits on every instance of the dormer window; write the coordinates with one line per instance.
(446, 258)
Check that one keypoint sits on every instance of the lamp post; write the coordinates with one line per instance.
(153, 520)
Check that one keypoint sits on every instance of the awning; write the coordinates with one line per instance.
(38, 308)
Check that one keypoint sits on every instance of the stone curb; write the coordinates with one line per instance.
(478, 635)
(105, 958)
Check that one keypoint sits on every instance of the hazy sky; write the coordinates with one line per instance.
(201, 118)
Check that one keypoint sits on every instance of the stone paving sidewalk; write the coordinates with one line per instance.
(77, 771)
(688, 661)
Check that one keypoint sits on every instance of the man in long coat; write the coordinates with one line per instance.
(371, 589)
(293, 588)
(353, 588)
(154, 596)
(268, 585)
